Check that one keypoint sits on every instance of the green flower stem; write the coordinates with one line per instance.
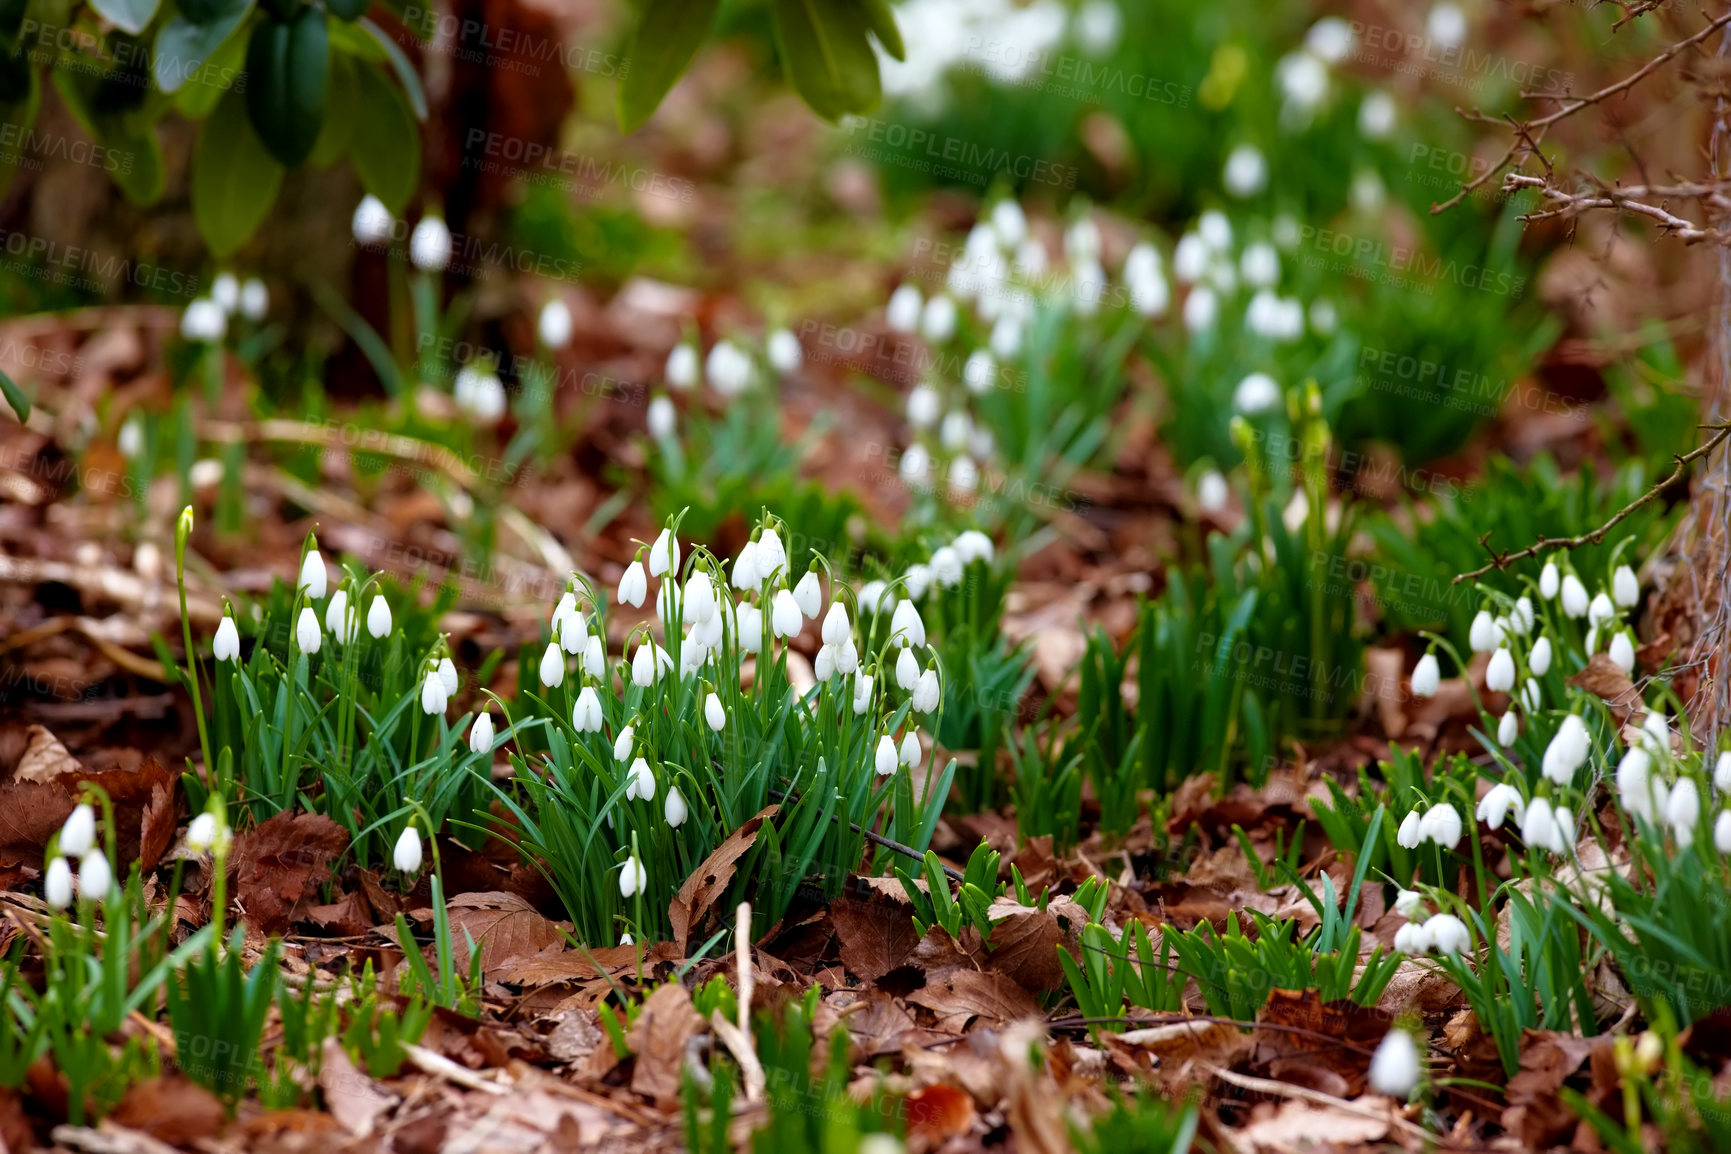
(182, 531)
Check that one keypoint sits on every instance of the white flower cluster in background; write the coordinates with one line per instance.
(731, 369)
(205, 320)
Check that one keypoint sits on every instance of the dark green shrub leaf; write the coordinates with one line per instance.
(234, 179)
(288, 83)
(827, 56)
(386, 145)
(667, 36)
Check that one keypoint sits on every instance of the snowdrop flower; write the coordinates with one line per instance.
(642, 783)
(338, 619)
(1448, 934)
(1567, 751)
(633, 879)
(1142, 263)
(1410, 833)
(1539, 660)
(674, 808)
(643, 664)
(1656, 733)
(57, 884)
(255, 300)
(479, 394)
(307, 631)
(771, 556)
(681, 370)
(1394, 1068)
(1446, 24)
(1539, 829)
(625, 743)
(824, 667)
(946, 567)
(903, 311)
(662, 418)
(372, 221)
(1600, 612)
(1683, 810)
(594, 657)
(906, 625)
(1260, 265)
(664, 554)
(1508, 729)
(924, 406)
(907, 670)
(1329, 39)
(1722, 772)
(1426, 676)
(714, 713)
(698, 604)
(1408, 902)
(1722, 831)
(1246, 172)
(1530, 696)
(1009, 223)
(745, 574)
(979, 371)
(1212, 492)
(552, 667)
(785, 618)
(430, 245)
(1082, 240)
(1303, 82)
(1548, 580)
(1635, 784)
(226, 646)
(750, 629)
(1624, 588)
(1098, 24)
(836, 627)
(1575, 602)
(1500, 673)
(1441, 824)
(554, 326)
(406, 854)
(448, 674)
(1190, 258)
(95, 878)
(963, 475)
(1150, 296)
(225, 291)
(1201, 308)
(972, 545)
(1622, 652)
(927, 693)
(1256, 393)
(634, 585)
(313, 576)
(586, 714)
(1006, 340)
(938, 320)
(433, 695)
(1523, 617)
(862, 692)
(1501, 800)
(378, 617)
(1376, 116)
(874, 597)
(78, 832)
(1412, 938)
(481, 734)
(808, 594)
(910, 748)
(1482, 636)
(785, 354)
(728, 369)
(886, 758)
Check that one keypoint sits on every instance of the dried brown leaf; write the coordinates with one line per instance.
(877, 934)
(658, 1039)
(710, 879)
(961, 996)
(277, 867)
(505, 927)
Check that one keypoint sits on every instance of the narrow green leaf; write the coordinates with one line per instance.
(15, 397)
(405, 70)
(827, 56)
(386, 142)
(882, 22)
(667, 36)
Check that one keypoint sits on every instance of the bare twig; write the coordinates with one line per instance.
(1504, 560)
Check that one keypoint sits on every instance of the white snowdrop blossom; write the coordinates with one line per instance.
(1500, 673)
(1722, 772)
(95, 877)
(1625, 589)
(1246, 171)
(927, 693)
(1412, 938)
(1411, 831)
(552, 667)
(1446, 25)
(907, 670)
(314, 578)
(910, 748)
(1256, 393)
(379, 617)
(1408, 902)
(1622, 652)
(1600, 611)
(808, 594)
(784, 352)
(886, 758)
(78, 831)
(1482, 636)
(785, 619)
(902, 314)
(1442, 825)
(642, 783)
(1722, 831)
(1567, 751)
(862, 692)
(406, 854)
(1539, 828)
(728, 369)
(226, 645)
(1508, 729)
(1575, 600)
(633, 878)
(664, 554)
(586, 714)
(906, 625)
(481, 733)
(554, 326)
(204, 321)
(634, 585)
(1376, 116)
(57, 884)
(682, 366)
(1394, 1068)
(433, 694)
(625, 744)
(1426, 676)
(1539, 660)
(643, 664)
(1498, 802)
(430, 245)
(372, 221)
(307, 636)
(673, 809)
(714, 713)
(938, 320)
(1683, 810)
(1448, 934)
